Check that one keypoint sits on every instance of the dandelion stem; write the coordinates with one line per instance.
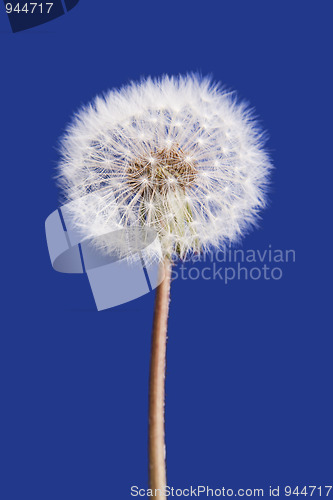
(157, 467)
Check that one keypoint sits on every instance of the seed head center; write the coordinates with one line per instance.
(161, 171)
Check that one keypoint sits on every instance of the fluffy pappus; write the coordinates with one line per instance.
(176, 154)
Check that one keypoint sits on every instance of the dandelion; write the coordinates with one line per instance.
(181, 156)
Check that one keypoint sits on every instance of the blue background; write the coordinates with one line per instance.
(249, 382)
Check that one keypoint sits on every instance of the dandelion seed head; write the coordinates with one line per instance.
(178, 154)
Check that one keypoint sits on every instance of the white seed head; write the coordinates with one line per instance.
(178, 155)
